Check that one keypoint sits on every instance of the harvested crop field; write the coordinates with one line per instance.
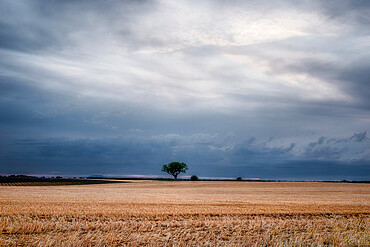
(181, 213)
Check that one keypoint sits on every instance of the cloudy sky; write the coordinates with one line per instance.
(269, 90)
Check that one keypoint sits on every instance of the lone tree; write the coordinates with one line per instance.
(175, 168)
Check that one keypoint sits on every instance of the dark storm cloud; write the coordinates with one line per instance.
(320, 170)
(81, 156)
(206, 156)
(248, 153)
(234, 88)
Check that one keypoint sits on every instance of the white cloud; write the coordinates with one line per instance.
(182, 57)
(177, 25)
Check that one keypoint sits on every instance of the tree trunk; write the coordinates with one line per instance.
(175, 176)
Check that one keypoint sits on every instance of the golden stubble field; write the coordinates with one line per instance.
(183, 213)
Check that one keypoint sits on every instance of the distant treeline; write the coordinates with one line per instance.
(243, 180)
(33, 180)
(102, 180)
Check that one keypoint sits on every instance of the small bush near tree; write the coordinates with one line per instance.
(194, 178)
(239, 179)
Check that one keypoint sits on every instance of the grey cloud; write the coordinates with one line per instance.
(359, 137)
(356, 79)
(26, 38)
(39, 25)
(331, 60)
(355, 12)
(135, 155)
(325, 152)
(353, 78)
(81, 155)
(123, 86)
(355, 147)
(251, 153)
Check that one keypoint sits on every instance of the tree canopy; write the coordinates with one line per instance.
(175, 168)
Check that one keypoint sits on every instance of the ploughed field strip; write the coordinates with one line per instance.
(204, 213)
